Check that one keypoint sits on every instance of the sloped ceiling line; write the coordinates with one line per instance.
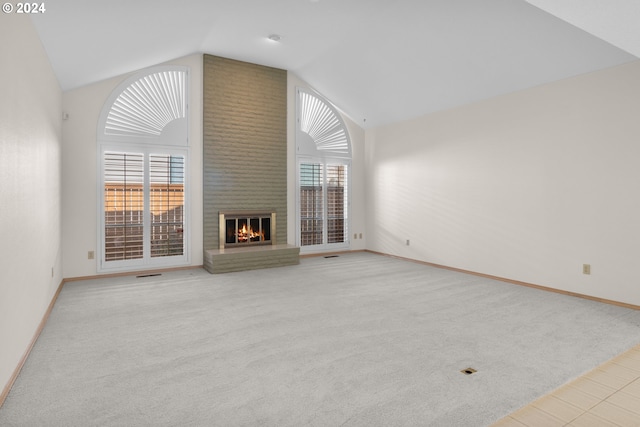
(374, 59)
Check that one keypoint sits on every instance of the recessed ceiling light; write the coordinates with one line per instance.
(274, 37)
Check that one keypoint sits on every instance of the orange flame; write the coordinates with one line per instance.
(250, 234)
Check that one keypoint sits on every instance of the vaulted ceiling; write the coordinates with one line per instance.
(380, 61)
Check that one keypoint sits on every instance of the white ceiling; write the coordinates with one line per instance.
(616, 21)
(380, 61)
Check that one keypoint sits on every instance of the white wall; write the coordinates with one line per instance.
(527, 186)
(30, 242)
(356, 133)
(79, 176)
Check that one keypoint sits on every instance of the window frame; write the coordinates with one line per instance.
(147, 261)
(325, 245)
(326, 142)
(169, 84)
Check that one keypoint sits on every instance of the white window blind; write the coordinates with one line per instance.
(127, 203)
(323, 204)
(123, 206)
(167, 204)
(337, 204)
(311, 204)
(323, 124)
(148, 105)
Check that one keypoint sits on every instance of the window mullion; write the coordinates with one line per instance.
(147, 208)
(325, 205)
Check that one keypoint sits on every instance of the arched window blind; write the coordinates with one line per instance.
(151, 108)
(148, 105)
(323, 125)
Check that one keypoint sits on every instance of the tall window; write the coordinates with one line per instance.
(127, 211)
(323, 204)
(143, 142)
(324, 153)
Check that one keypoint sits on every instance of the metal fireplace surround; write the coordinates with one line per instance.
(240, 229)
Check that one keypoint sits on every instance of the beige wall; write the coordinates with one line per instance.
(528, 186)
(80, 162)
(30, 144)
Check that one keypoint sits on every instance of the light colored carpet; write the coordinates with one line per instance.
(358, 340)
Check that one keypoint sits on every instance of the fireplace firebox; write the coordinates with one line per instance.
(246, 228)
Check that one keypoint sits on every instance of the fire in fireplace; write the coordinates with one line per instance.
(239, 229)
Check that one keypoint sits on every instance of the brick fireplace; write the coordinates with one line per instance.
(245, 165)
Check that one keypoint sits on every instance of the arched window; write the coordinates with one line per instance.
(323, 159)
(143, 158)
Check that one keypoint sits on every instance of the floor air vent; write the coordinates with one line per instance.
(332, 256)
(468, 371)
(148, 275)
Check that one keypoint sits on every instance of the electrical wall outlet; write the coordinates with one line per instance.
(91, 255)
(408, 242)
(586, 268)
(360, 236)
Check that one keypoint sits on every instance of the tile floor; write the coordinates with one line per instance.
(607, 396)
